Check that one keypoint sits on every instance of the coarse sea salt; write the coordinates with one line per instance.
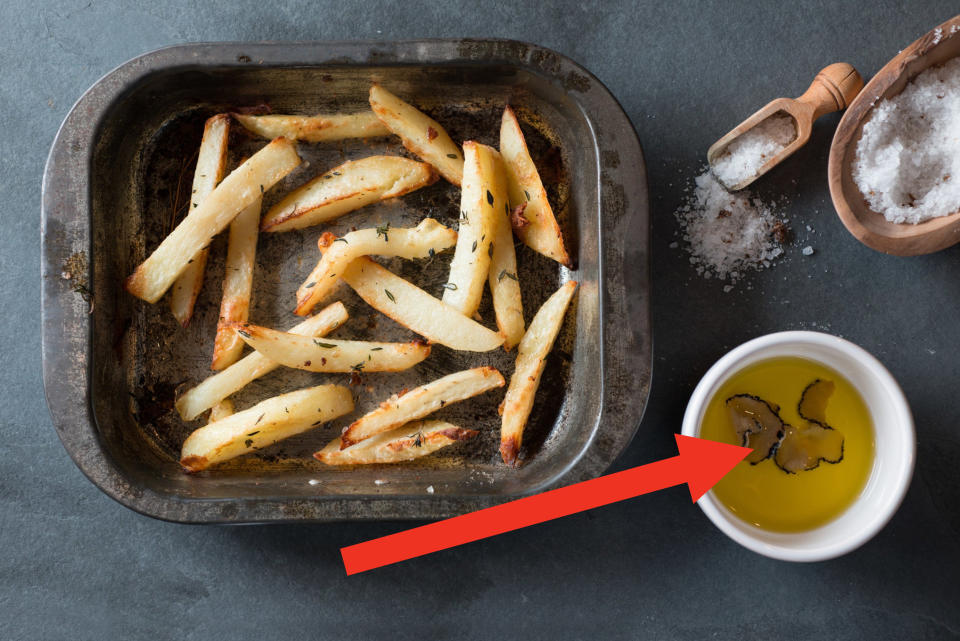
(728, 233)
(748, 153)
(907, 162)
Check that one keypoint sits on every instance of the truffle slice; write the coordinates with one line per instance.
(802, 448)
(813, 401)
(757, 425)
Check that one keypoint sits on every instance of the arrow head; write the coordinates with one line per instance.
(706, 462)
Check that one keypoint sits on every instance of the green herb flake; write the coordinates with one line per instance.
(527, 194)
(375, 349)
(454, 156)
(358, 367)
(248, 442)
(489, 197)
(323, 345)
(255, 432)
(450, 286)
(382, 231)
(310, 284)
(390, 296)
(474, 248)
(342, 240)
(506, 274)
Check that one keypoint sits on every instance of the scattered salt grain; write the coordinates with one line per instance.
(313, 482)
(378, 482)
(429, 489)
(748, 153)
(728, 233)
(807, 251)
(907, 162)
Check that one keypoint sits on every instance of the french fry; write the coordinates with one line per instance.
(531, 357)
(350, 186)
(419, 133)
(252, 366)
(404, 443)
(330, 355)
(503, 278)
(237, 285)
(417, 310)
(319, 128)
(400, 409)
(211, 164)
(263, 425)
(239, 190)
(422, 241)
(535, 223)
(478, 202)
(221, 410)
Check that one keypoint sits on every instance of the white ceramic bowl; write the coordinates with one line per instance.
(895, 445)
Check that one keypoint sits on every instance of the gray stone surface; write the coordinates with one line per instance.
(76, 565)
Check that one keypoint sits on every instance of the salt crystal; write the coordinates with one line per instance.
(673, 245)
(807, 251)
(429, 489)
(726, 233)
(748, 153)
(906, 162)
(313, 482)
(727, 289)
(379, 482)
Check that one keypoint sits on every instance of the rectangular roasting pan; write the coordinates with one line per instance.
(112, 364)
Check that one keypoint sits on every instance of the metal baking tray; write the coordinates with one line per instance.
(112, 364)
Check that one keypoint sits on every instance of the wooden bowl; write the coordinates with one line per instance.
(869, 227)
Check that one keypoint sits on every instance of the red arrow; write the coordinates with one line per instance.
(700, 465)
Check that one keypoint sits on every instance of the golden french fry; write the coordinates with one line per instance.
(531, 357)
(331, 355)
(404, 443)
(211, 165)
(503, 278)
(319, 128)
(417, 310)
(422, 241)
(251, 367)
(237, 285)
(350, 186)
(535, 223)
(471, 259)
(239, 190)
(221, 410)
(420, 133)
(417, 403)
(264, 424)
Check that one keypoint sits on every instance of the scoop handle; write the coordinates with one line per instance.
(833, 89)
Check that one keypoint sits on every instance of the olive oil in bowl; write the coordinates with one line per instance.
(814, 443)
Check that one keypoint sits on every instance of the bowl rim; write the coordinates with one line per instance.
(742, 532)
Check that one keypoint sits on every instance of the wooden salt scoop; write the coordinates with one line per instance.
(869, 227)
(832, 90)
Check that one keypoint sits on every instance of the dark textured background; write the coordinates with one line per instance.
(76, 565)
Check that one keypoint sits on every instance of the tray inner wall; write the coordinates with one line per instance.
(143, 167)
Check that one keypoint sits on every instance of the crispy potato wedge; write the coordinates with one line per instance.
(417, 310)
(350, 186)
(400, 409)
(264, 424)
(404, 443)
(330, 355)
(239, 190)
(252, 366)
(221, 410)
(471, 259)
(541, 232)
(237, 285)
(211, 165)
(422, 241)
(420, 133)
(503, 277)
(319, 128)
(531, 357)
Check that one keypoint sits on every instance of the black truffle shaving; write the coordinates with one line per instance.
(803, 448)
(758, 425)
